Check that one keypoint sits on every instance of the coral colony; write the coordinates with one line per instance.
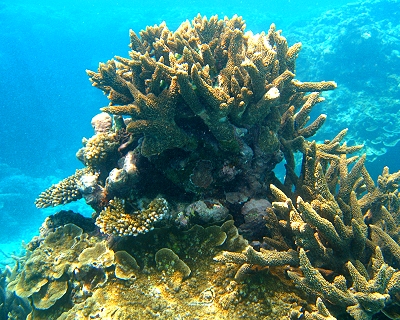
(189, 218)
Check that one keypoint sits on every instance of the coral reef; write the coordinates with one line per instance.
(197, 121)
(357, 46)
(207, 110)
(162, 275)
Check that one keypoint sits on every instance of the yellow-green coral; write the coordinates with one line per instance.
(329, 225)
(44, 270)
(115, 220)
(63, 192)
(98, 148)
(169, 261)
(126, 266)
(98, 256)
(106, 284)
(49, 294)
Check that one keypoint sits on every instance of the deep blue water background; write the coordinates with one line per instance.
(47, 102)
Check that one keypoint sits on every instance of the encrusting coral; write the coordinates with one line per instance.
(197, 121)
(162, 275)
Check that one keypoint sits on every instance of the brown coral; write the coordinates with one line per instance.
(327, 222)
(206, 97)
(63, 192)
(115, 220)
(233, 84)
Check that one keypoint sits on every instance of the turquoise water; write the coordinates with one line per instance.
(47, 102)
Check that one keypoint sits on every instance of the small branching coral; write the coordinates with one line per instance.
(115, 220)
(63, 192)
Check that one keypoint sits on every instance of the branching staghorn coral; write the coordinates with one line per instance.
(328, 230)
(208, 76)
(228, 79)
(366, 297)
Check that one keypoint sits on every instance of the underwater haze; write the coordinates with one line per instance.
(47, 101)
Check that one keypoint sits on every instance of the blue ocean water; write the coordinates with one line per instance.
(47, 101)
